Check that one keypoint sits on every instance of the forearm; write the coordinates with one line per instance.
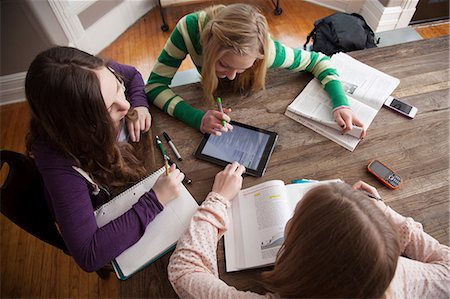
(196, 250)
(134, 84)
(68, 194)
(281, 56)
(420, 246)
(165, 99)
(415, 243)
(93, 247)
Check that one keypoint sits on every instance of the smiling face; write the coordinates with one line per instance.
(230, 64)
(113, 92)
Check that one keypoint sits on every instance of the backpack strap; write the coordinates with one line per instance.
(313, 32)
(308, 38)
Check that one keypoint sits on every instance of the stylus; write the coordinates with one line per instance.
(219, 102)
(166, 164)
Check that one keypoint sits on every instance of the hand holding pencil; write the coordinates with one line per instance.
(167, 187)
(216, 122)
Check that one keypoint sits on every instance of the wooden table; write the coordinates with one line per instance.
(417, 149)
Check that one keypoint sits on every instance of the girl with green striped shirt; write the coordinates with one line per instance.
(233, 42)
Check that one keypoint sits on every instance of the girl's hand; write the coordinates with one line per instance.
(141, 123)
(167, 187)
(395, 217)
(212, 122)
(363, 186)
(228, 182)
(345, 118)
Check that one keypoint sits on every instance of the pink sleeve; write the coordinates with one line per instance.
(193, 269)
(425, 271)
(422, 247)
(415, 243)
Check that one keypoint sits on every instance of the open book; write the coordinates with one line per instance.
(366, 89)
(160, 235)
(257, 220)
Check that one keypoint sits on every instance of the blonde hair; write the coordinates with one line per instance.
(240, 29)
(339, 244)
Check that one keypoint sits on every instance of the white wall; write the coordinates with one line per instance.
(59, 23)
(348, 6)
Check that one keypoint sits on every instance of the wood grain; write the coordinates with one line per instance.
(433, 30)
(417, 149)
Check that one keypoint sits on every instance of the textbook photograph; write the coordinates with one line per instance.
(366, 89)
(258, 216)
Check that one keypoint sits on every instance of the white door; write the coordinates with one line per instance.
(91, 25)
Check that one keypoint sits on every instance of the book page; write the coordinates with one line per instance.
(347, 141)
(314, 103)
(159, 236)
(363, 82)
(262, 213)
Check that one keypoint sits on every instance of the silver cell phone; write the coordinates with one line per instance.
(401, 107)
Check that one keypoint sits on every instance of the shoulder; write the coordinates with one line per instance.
(191, 21)
(124, 70)
(47, 156)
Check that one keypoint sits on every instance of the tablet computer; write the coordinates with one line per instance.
(248, 145)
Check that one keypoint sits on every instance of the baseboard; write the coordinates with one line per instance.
(336, 5)
(12, 88)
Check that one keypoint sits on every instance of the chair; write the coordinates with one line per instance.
(23, 201)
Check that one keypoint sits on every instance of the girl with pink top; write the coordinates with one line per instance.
(340, 243)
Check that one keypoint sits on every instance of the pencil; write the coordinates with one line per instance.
(372, 196)
(166, 164)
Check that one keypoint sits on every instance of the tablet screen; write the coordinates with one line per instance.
(250, 146)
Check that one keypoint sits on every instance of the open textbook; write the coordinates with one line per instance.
(257, 220)
(366, 89)
(160, 235)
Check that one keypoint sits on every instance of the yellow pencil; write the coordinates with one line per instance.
(166, 164)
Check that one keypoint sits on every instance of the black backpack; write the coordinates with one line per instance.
(341, 32)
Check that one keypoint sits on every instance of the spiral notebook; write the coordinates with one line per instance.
(160, 235)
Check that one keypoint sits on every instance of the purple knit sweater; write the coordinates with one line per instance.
(70, 198)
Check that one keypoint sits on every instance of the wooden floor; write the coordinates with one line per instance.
(30, 268)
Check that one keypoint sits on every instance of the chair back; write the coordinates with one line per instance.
(23, 199)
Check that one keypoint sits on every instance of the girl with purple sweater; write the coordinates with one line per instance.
(81, 122)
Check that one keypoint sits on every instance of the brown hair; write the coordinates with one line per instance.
(339, 244)
(237, 28)
(69, 114)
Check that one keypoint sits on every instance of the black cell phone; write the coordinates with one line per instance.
(401, 107)
(386, 175)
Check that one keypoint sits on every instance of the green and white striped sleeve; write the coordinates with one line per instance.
(183, 40)
(281, 56)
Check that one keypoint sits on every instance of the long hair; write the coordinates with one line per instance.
(339, 244)
(237, 28)
(69, 114)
